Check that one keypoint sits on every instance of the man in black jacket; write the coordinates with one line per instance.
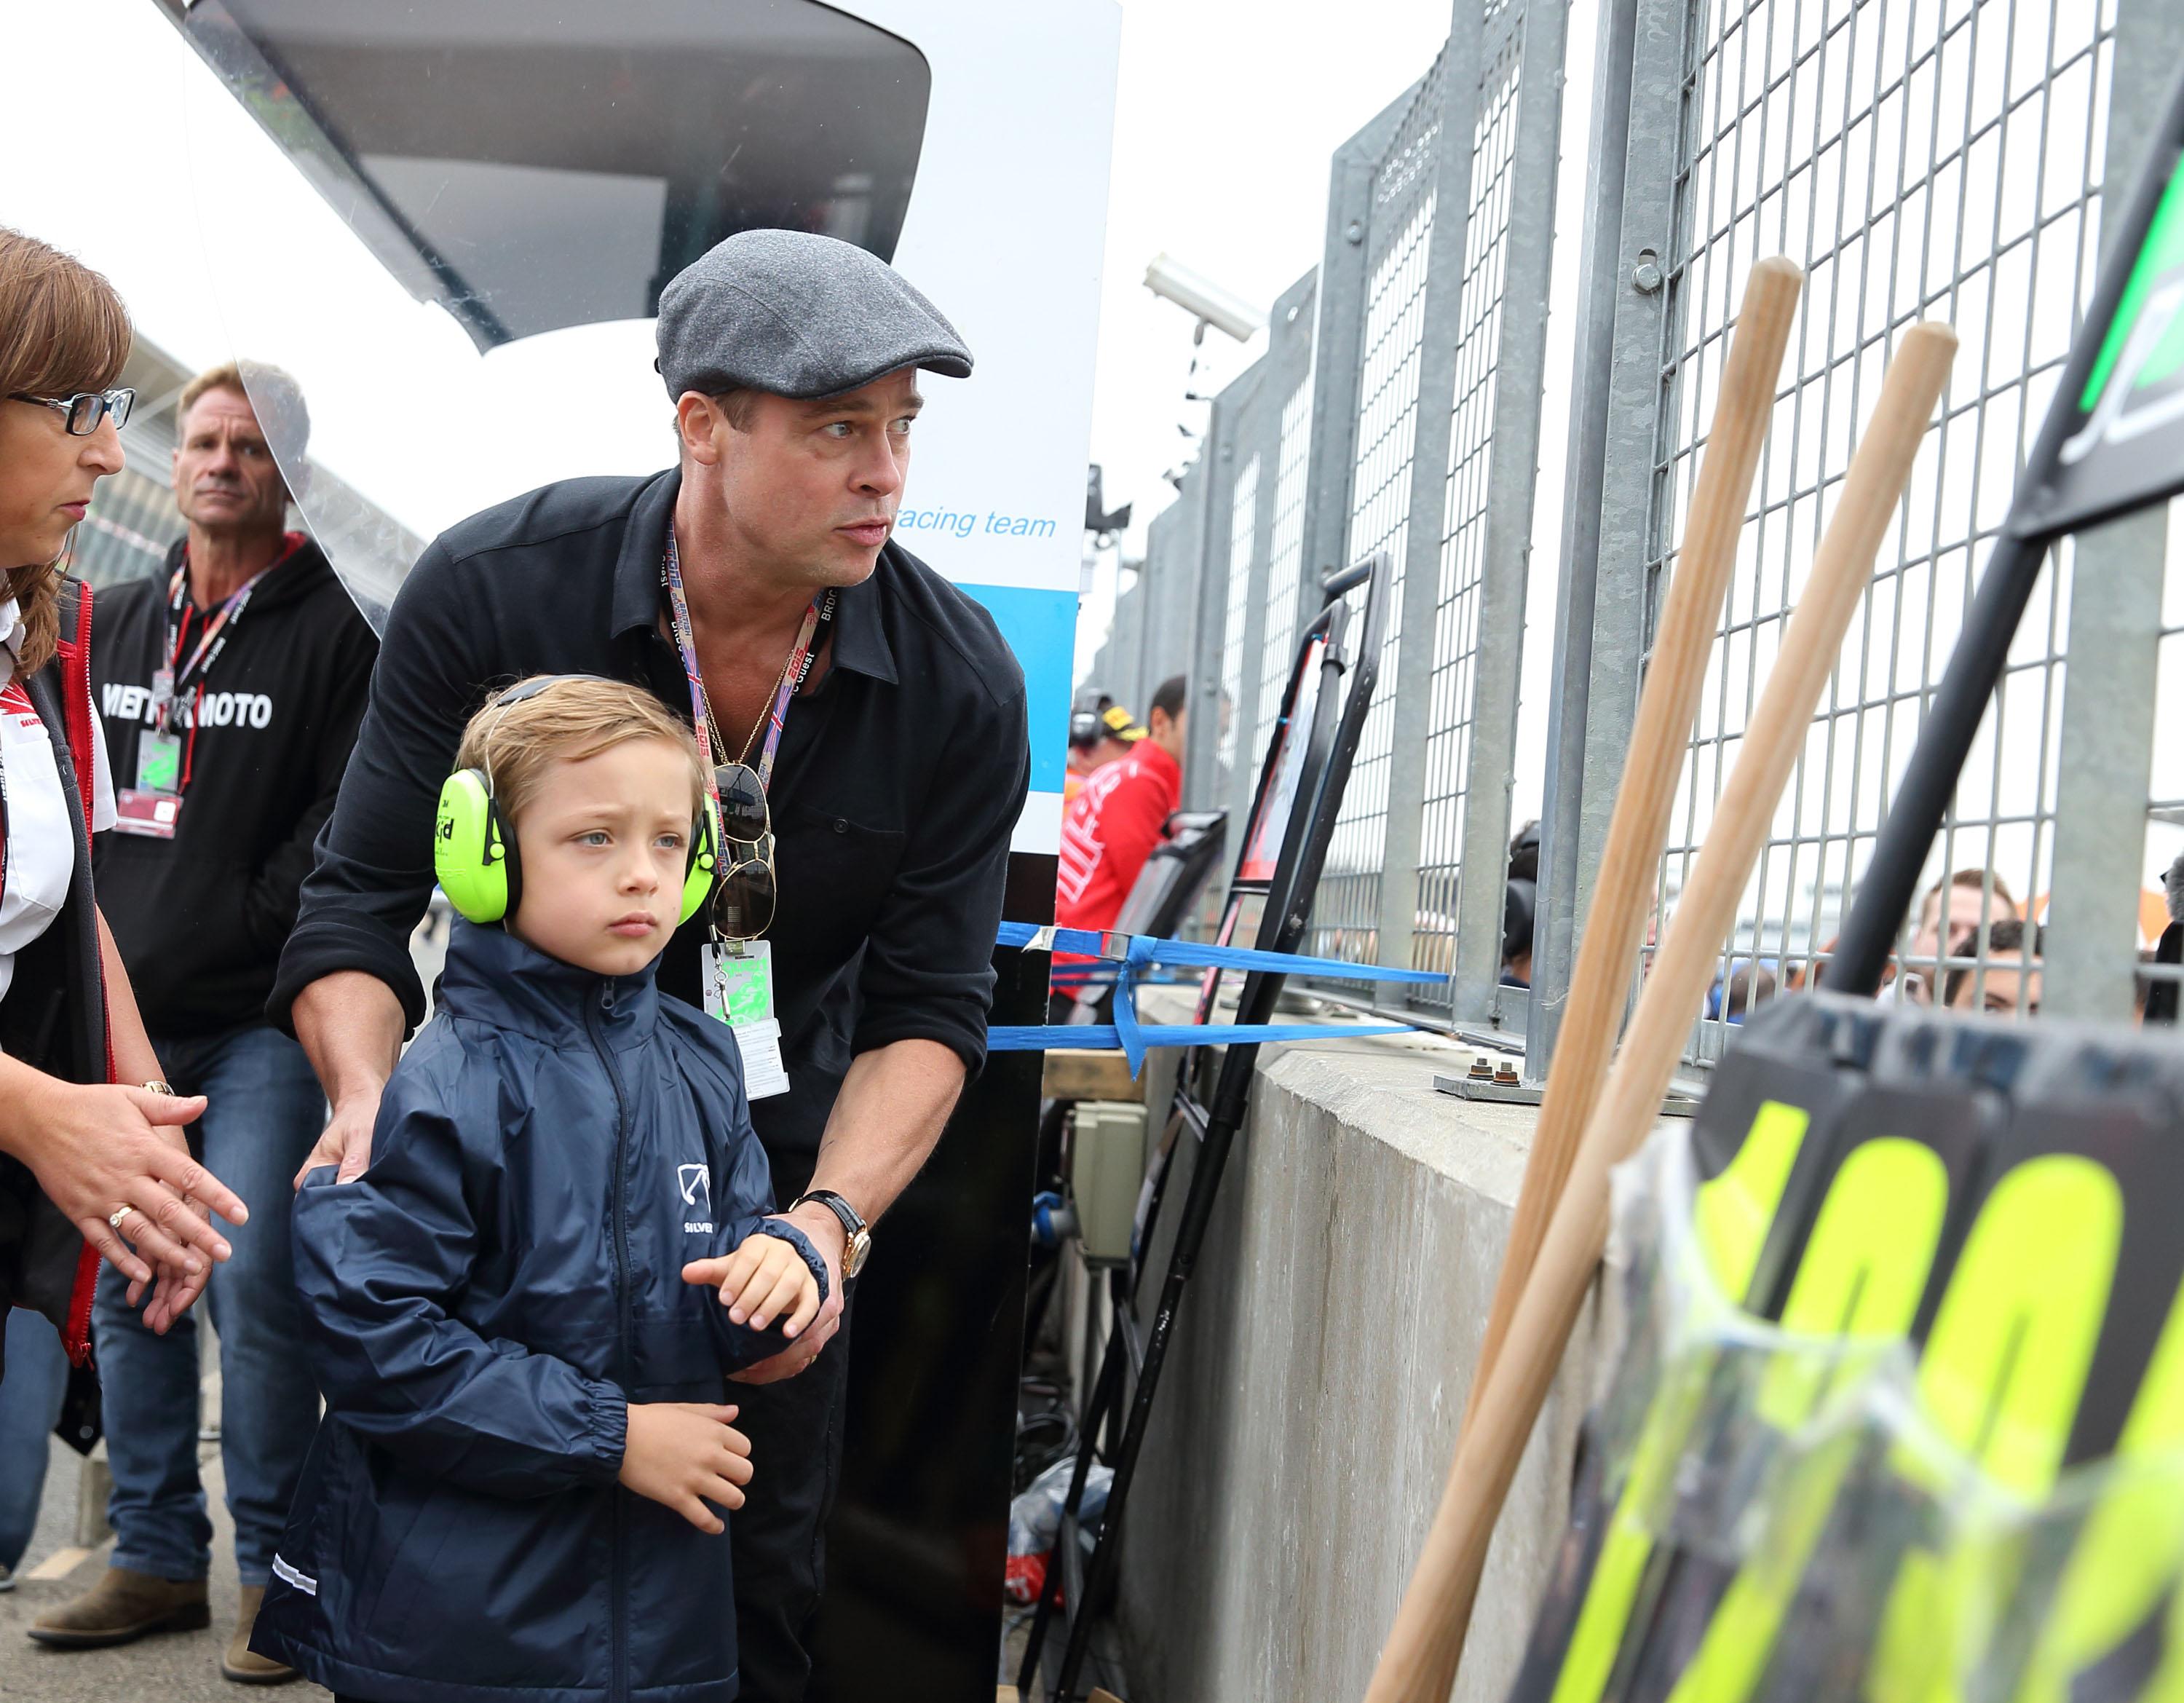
(231, 687)
(880, 700)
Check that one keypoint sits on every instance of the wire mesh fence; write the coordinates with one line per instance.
(1398, 244)
(1919, 159)
(1936, 161)
(1469, 491)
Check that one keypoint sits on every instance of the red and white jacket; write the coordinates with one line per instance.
(1112, 826)
(54, 1014)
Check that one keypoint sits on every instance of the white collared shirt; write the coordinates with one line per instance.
(41, 841)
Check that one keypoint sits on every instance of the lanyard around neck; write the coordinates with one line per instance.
(219, 626)
(792, 676)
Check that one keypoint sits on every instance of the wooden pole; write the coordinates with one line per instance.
(1675, 674)
(1418, 1663)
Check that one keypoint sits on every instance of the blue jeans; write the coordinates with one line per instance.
(30, 1408)
(264, 1111)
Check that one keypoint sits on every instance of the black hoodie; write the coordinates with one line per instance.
(201, 918)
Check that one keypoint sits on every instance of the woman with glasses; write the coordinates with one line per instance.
(92, 1159)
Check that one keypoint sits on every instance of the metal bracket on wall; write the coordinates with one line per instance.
(1499, 1083)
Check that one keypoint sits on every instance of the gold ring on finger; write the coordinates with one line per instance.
(114, 1219)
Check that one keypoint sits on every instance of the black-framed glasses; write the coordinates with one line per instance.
(744, 895)
(87, 407)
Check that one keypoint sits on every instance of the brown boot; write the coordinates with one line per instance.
(123, 1607)
(242, 1664)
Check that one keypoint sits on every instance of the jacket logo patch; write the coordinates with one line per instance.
(695, 1185)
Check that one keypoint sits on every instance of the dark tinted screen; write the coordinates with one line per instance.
(531, 166)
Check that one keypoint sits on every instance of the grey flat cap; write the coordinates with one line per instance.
(799, 315)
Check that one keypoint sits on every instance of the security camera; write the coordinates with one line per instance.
(1211, 305)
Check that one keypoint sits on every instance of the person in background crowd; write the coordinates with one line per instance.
(1519, 906)
(2011, 983)
(2158, 996)
(1750, 984)
(1084, 741)
(231, 684)
(30, 1408)
(1955, 907)
(1120, 731)
(1112, 826)
(82, 1159)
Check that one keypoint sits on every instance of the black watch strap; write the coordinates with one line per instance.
(856, 1235)
(851, 1223)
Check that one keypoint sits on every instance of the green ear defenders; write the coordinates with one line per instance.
(474, 848)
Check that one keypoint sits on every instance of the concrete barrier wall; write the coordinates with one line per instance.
(1321, 1361)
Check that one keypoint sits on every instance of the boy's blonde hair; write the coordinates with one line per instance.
(565, 721)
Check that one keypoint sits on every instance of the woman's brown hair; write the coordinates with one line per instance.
(63, 329)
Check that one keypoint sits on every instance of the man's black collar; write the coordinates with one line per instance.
(861, 641)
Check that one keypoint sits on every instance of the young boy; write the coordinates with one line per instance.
(511, 1313)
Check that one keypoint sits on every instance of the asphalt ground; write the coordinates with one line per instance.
(171, 1667)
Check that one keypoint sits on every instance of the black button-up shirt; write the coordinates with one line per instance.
(898, 783)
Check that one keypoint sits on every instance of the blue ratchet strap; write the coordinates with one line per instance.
(1139, 952)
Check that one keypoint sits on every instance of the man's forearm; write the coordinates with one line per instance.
(351, 1026)
(894, 1104)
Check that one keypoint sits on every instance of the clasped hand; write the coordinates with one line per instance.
(687, 1455)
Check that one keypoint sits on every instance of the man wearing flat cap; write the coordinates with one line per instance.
(855, 703)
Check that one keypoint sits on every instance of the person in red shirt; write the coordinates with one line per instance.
(1118, 817)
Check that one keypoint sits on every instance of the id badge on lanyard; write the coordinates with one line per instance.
(152, 808)
(740, 992)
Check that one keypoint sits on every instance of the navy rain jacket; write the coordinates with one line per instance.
(478, 1308)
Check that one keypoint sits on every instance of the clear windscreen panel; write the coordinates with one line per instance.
(437, 232)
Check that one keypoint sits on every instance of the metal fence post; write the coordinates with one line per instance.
(1286, 486)
(1338, 357)
(1248, 518)
(1415, 705)
(1532, 52)
(2110, 695)
(1114, 670)
(1174, 560)
(1624, 549)
(1288, 362)
(1600, 287)
(1220, 464)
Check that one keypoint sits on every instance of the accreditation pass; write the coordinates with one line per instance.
(740, 992)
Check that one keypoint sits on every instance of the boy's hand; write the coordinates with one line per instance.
(765, 1279)
(684, 1455)
(823, 1230)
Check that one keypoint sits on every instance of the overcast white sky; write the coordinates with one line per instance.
(1225, 123)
